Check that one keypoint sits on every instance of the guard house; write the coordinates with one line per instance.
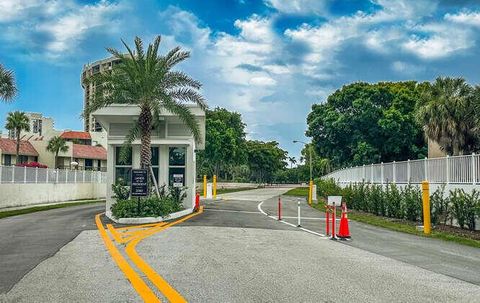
(173, 148)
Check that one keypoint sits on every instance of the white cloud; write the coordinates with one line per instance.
(406, 68)
(59, 25)
(298, 6)
(263, 81)
(467, 18)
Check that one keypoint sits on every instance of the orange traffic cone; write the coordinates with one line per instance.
(344, 231)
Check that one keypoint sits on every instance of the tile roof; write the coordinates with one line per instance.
(9, 146)
(76, 135)
(89, 152)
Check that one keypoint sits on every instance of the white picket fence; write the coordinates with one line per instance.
(449, 170)
(16, 174)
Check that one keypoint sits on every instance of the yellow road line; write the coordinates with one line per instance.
(141, 225)
(116, 235)
(167, 290)
(138, 284)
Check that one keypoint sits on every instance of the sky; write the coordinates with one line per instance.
(269, 60)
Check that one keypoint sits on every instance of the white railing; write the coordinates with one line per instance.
(448, 170)
(17, 174)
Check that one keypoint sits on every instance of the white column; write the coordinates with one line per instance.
(364, 173)
(371, 174)
(381, 172)
(36, 174)
(83, 176)
(13, 174)
(75, 177)
(56, 175)
(394, 170)
(425, 165)
(408, 171)
(24, 174)
(66, 176)
(474, 170)
(46, 174)
(447, 162)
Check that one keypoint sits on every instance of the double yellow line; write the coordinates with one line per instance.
(138, 284)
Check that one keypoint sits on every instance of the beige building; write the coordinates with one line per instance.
(100, 66)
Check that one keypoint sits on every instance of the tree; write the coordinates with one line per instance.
(365, 123)
(447, 113)
(265, 160)
(224, 144)
(8, 89)
(17, 122)
(146, 80)
(292, 161)
(56, 145)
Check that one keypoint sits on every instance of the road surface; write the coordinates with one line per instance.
(233, 252)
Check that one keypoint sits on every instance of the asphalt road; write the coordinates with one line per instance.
(27, 240)
(448, 258)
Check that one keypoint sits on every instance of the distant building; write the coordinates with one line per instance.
(85, 149)
(100, 66)
(8, 148)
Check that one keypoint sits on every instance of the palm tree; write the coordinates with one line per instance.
(16, 122)
(8, 89)
(292, 161)
(56, 145)
(446, 111)
(146, 80)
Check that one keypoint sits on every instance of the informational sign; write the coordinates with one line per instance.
(139, 186)
(334, 200)
(177, 180)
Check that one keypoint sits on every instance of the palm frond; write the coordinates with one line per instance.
(126, 148)
(188, 95)
(8, 89)
(184, 113)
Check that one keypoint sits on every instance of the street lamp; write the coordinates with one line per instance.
(310, 185)
(310, 154)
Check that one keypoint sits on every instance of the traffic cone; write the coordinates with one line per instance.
(344, 231)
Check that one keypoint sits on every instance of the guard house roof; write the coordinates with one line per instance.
(9, 146)
(89, 152)
(76, 135)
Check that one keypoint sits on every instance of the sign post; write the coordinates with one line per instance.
(139, 185)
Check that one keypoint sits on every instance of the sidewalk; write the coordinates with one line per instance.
(53, 203)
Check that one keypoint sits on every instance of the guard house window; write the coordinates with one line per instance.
(123, 170)
(155, 161)
(176, 165)
(7, 159)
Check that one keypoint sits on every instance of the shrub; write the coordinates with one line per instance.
(465, 207)
(120, 190)
(32, 164)
(393, 202)
(153, 206)
(440, 206)
(327, 188)
(376, 200)
(412, 202)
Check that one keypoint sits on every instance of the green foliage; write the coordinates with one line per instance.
(367, 123)
(393, 201)
(265, 159)
(120, 190)
(327, 188)
(55, 145)
(17, 121)
(8, 89)
(440, 206)
(465, 207)
(412, 202)
(447, 110)
(148, 80)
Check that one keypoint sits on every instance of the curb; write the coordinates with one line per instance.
(145, 220)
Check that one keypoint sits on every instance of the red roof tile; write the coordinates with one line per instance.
(89, 152)
(9, 146)
(76, 135)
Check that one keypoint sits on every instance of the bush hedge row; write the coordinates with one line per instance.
(406, 202)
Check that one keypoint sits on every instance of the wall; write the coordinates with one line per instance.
(12, 195)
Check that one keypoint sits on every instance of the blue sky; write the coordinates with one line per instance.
(269, 60)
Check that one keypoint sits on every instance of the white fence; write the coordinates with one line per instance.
(448, 170)
(16, 174)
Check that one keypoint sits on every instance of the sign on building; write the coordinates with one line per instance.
(139, 186)
(177, 180)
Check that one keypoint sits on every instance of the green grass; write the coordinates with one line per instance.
(298, 192)
(16, 212)
(232, 190)
(405, 227)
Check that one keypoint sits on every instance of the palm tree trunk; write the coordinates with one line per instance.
(17, 152)
(145, 123)
(56, 160)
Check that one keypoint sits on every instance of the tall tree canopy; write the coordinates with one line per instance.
(366, 123)
(447, 112)
(17, 122)
(265, 159)
(224, 142)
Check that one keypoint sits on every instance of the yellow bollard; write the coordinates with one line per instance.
(427, 227)
(214, 186)
(310, 192)
(205, 186)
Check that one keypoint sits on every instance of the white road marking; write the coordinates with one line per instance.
(259, 206)
(307, 218)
